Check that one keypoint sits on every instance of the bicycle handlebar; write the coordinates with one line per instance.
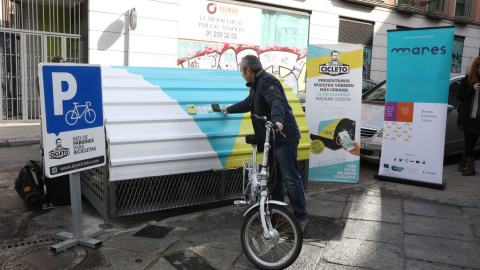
(263, 120)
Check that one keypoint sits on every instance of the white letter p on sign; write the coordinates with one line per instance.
(58, 95)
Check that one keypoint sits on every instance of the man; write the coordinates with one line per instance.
(58, 142)
(267, 98)
(334, 61)
(57, 59)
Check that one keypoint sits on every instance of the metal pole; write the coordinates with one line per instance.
(76, 202)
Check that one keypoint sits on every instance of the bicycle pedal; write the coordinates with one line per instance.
(240, 203)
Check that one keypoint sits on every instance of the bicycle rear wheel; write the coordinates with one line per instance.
(282, 249)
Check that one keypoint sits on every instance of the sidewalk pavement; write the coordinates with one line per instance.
(372, 225)
(17, 134)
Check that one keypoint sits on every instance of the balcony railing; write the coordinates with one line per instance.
(459, 11)
(409, 6)
(465, 11)
(436, 9)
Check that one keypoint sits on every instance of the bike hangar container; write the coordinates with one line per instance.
(166, 148)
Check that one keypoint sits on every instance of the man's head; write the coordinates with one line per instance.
(249, 66)
(59, 142)
(57, 59)
(334, 55)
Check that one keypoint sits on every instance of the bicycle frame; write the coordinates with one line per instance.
(81, 106)
(257, 182)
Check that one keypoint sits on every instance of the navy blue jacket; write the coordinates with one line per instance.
(267, 98)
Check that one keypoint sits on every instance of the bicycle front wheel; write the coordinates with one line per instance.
(284, 246)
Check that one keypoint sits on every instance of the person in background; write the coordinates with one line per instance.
(57, 59)
(469, 116)
(267, 98)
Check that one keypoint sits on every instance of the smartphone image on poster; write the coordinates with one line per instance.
(345, 140)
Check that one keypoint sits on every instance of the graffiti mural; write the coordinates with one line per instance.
(288, 64)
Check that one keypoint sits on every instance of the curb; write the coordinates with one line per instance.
(12, 143)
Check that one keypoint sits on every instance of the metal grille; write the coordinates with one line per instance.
(10, 75)
(366, 132)
(171, 191)
(31, 32)
(142, 195)
(94, 184)
(356, 32)
(58, 16)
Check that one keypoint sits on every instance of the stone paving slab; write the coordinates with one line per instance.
(388, 211)
(324, 208)
(374, 231)
(366, 254)
(219, 258)
(432, 209)
(126, 241)
(422, 265)
(442, 250)
(438, 227)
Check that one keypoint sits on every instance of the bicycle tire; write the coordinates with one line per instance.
(279, 252)
(70, 116)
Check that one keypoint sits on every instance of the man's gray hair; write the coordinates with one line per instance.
(252, 62)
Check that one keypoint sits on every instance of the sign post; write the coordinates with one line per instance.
(73, 135)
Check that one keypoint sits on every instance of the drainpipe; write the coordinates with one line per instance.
(132, 24)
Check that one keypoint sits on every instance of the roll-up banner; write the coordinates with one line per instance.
(418, 74)
(333, 111)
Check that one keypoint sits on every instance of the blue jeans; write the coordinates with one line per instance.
(287, 171)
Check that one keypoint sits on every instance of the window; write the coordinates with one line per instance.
(457, 52)
(460, 8)
(358, 32)
(286, 30)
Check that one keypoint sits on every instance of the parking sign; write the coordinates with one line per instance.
(72, 117)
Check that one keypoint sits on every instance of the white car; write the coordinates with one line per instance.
(373, 108)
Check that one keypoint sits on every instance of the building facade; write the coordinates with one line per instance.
(211, 34)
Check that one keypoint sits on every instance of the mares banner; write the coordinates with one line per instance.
(333, 111)
(418, 75)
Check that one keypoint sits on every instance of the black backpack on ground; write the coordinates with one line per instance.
(31, 191)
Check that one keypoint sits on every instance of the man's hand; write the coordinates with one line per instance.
(279, 125)
(224, 110)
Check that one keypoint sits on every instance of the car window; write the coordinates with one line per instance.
(376, 94)
(452, 93)
(366, 86)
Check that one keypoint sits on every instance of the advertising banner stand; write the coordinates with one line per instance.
(73, 135)
(333, 111)
(416, 106)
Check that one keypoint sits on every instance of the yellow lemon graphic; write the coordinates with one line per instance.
(317, 147)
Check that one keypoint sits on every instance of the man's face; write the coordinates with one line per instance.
(59, 143)
(247, 74)
(335, 56)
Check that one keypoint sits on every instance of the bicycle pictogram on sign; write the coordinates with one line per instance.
(73, 115)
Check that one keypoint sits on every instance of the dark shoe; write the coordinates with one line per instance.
(462, 163)
(304, 224)
(470, 167)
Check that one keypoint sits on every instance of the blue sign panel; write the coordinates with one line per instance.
(67, 108)
(73, 135)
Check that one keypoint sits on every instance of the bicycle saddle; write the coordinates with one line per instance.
(252, 139)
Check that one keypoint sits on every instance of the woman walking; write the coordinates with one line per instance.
(469, 116)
